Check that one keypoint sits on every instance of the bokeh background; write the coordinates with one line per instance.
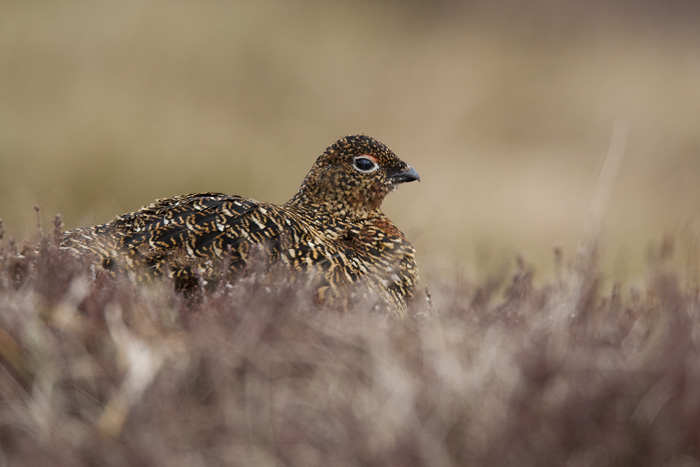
(506, 108)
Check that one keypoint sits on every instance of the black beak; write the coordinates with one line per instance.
(407, 176)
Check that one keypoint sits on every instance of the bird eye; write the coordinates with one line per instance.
(365, 164)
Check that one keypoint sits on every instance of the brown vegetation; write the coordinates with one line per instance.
(101, 371)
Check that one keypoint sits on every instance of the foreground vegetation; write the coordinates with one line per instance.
(101, 371)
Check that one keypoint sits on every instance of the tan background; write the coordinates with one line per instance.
(505, 108)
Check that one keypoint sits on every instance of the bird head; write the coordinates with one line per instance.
(353, 176)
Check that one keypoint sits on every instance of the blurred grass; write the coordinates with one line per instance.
(505, 108)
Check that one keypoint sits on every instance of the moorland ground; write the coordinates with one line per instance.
(529, 354)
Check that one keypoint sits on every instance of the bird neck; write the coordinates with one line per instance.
(336, 195)
(343, 209)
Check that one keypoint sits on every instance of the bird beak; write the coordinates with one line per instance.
(407, 176)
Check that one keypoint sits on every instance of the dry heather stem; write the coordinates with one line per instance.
(101, 371)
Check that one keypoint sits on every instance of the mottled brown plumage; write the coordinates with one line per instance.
(332, 231)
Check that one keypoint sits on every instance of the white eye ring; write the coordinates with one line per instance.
(365, 164)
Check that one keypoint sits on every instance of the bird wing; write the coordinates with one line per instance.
(191, 229)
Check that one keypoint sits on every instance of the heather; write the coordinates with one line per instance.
(100, 370)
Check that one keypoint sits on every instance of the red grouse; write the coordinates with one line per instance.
(332, 232)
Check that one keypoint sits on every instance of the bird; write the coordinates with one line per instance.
(332, 233)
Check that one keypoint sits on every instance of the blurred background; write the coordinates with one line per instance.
(506, 109)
